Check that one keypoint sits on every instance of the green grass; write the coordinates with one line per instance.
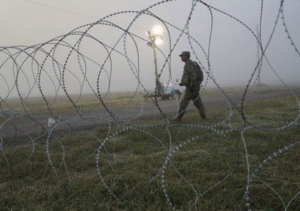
(130, 167)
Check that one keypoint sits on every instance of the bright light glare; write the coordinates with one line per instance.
(158, 41)
(157, 30)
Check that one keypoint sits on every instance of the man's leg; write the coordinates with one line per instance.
(199, 105)
(183, 105)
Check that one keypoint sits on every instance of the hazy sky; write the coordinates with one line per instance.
(233, 52)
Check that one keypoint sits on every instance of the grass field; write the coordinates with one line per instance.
(115, 99)
(209, 173)
(63, 104)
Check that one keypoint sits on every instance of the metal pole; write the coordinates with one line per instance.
(152, 38)
(158, 90)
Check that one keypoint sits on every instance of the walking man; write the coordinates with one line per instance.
(191, 81)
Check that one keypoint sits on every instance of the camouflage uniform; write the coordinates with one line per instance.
(190, 77)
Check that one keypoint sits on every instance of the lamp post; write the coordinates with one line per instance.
(155, 38)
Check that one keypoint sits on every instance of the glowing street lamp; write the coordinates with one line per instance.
(155, 38)
(157, 30)
(158, 41)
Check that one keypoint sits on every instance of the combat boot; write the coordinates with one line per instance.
(179, 117)
(177, 120)
(203, 116)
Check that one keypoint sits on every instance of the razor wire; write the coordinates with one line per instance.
(21, 125)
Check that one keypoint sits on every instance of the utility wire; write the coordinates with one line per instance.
(172, 13)
(76, 13)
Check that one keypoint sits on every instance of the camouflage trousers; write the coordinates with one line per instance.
(188, 96)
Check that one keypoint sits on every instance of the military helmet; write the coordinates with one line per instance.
(185, 53)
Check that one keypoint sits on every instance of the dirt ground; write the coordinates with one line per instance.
(34, 127)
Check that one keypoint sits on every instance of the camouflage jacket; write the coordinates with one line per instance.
(189, 76)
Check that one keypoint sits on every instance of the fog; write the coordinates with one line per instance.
(232, 46)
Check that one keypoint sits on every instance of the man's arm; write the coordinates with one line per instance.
(189, 75)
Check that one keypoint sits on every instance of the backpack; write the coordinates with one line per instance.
(199, 72)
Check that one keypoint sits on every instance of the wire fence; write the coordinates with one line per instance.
(45, 100)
